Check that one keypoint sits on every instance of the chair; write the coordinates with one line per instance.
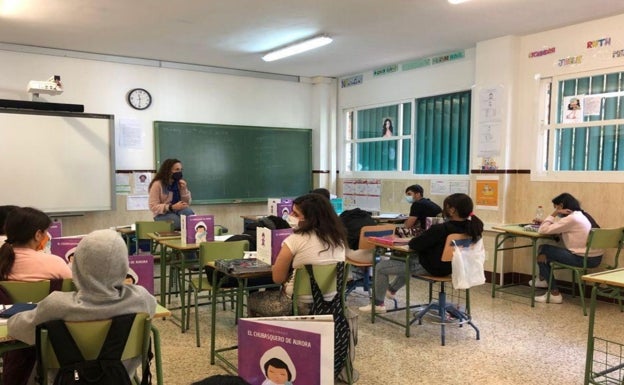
(441, 305)
(365, 232)
(327, 280)
(22, 291)
(90, 335)
(208, 253)
(597, 239)
(145, 227)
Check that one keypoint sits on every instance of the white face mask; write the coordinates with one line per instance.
(293, 222)
(409, 199)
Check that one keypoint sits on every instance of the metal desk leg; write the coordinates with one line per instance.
(534, 265)
(213, 308)
(182, 289)
(408, 276)
(497, 245)
(163, 275)
(589, 357)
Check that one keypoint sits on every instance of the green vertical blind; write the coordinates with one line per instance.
(596, 143)
(442, 134)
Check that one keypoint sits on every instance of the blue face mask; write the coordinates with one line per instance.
(409, 199)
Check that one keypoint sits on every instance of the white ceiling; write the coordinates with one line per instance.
(236, 33)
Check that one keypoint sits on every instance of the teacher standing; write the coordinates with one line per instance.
(169, 196)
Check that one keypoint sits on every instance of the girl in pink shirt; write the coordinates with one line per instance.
(21, 258)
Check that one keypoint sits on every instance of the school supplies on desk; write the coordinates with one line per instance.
(10, 310)
(390, 241)
(167, 233)
(243, 265)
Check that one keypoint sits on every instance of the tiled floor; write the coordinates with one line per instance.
(518, 345)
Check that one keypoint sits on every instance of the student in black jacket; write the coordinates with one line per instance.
(421, 207)
(429, 246)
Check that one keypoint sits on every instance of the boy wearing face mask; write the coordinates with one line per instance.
(169, 195)
(421, 207)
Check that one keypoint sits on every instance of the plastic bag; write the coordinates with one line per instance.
(468, 265)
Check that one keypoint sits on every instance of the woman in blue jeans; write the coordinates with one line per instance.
(169, 195)
(573, 225)
(457, 209)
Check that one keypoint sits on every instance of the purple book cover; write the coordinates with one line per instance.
(197, 228)
(297, 348)
(64, 247)
(56, 229)
(269, 243)
(141, 271)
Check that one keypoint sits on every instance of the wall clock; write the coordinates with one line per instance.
(139, 98)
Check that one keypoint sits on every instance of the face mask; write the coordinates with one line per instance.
(177, 176)
(43, 243)
(293, 222)
(409, 199)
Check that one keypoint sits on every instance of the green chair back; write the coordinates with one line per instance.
(325, 276)
(142, 228)
(21, 291)
(211, 251)
(90, 336)
(606, 239)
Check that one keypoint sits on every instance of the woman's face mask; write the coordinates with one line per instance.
(293, 222)
(177, 176)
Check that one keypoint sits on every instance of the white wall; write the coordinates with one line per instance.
(178, 95)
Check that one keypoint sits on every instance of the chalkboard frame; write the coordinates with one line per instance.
(300, 171)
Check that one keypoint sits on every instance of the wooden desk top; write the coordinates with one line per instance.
(125, 230)
(519, 230)
(176, 243)
(609, 277)
(161, 312)
(159, 238)
(397, 247)
(253, 217)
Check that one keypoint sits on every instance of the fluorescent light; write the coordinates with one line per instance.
(294, 49)
(457, 1)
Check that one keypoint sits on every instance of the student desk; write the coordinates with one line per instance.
(609, 365)
(513, 233)
(241, 278)
(404, 254)
(389, 219)
(163, 262)
(179, 249)
(127, 232)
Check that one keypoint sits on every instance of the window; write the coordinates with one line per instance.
(380, 138)
(588, 131)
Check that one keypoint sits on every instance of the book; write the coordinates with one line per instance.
(269, 243)
(10, 310)
(196, 228)
(280, 207)
(65, 247)
(304, 345)
(242, 265)
(141, 271)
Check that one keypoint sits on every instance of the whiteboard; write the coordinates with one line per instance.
(57, 162)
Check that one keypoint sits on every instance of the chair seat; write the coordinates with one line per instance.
(358, 263)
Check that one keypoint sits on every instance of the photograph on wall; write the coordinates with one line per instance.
(572, 109)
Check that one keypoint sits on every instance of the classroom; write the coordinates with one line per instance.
(514, 89)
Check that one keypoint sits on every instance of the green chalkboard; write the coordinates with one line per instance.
(227, 163)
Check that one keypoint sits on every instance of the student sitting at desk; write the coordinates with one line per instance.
(22, 259)
(421, 207)
(101, 292)
(429, 246)
(319, 239)
(169, 196)
(573, 224)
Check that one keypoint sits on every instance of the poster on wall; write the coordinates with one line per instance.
(572, 109)
(487, 193)
(361, 193)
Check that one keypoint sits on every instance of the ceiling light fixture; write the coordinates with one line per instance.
(457, 1)
(294, 49)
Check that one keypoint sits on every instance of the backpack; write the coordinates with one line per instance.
(334, 307)
(107, 369)
(354, 220)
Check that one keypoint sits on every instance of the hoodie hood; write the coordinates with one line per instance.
(100, 264)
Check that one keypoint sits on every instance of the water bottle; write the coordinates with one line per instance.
(539, 215)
